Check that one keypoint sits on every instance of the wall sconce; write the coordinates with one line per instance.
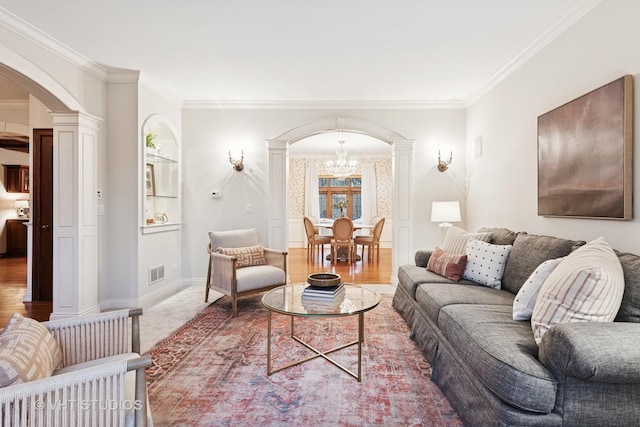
(238, 165)
(442, 165)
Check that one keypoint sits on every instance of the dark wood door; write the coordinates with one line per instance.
(42, 215)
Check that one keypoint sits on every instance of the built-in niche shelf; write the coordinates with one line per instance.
(161, 228)
(161, 176)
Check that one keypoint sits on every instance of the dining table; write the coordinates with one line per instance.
(342, 252)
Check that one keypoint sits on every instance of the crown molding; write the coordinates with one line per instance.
(33, 34)
(323, 105)
(162, 91)
(559, 27)
(19, 104)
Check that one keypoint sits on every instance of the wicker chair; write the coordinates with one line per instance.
(372, 242)
(342, 238)
(314, 240)
(240, 266)
(99, 370)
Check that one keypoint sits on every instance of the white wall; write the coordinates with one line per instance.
(598, 49)
(209, 134)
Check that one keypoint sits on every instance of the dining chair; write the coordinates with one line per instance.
(372, 242)
(342, 238)
(314, 240)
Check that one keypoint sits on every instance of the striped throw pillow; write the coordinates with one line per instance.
(447, 265)
(456, 239)
(587, 286)
(247, 255)
(28, 351)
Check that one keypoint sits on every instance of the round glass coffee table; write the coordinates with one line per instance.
(288, 300)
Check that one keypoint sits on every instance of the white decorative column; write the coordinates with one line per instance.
(75, 237)
(279, 206)
(401, 166)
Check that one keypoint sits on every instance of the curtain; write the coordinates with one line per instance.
(369, 202)
(311, 200)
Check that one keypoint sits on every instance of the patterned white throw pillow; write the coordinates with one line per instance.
(456, 239)
(246, 256)
(486, 262)
(28, 351)
(525, 299)
(587, 286)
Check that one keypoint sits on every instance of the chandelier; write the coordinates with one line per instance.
(341, 168)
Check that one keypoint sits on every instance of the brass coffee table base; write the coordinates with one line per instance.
(318, 353)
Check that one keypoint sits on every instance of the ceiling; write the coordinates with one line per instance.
(384, 51)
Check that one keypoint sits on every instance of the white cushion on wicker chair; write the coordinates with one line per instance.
(259, 276)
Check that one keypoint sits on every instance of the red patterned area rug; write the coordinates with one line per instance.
(213, 372)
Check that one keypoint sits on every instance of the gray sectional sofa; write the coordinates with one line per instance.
(489, 365)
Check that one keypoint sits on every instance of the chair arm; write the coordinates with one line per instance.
(593, 351)
(96, 396)
(276, 258)
(95, 336)
(223, 271)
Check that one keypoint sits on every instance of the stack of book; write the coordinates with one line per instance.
(323, 298)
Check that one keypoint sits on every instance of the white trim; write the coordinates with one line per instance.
(322, 105)
(559, 27)
(28, 31)
(18, 104)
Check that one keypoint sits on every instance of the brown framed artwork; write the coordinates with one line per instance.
(150, 180)
(585, 150)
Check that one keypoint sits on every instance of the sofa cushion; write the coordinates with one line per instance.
(410, 277)
(246, 255)
(433, 296)
(455, 241)
(526, 297)
(28, 351)
(528, 252)
(630, 306)
(259, 276)
(448, 265)
(501, 352)
(500, 236)
(587, 286)
(485, 263)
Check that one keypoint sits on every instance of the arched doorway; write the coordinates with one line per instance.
(402, 152)
(75, 136)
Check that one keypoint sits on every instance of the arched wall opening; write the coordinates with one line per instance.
(75, 153)
(401, 153)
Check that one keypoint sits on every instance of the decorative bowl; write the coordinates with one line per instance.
(324, 279)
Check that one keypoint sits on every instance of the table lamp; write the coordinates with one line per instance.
(445, 213)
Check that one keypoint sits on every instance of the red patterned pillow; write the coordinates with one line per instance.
(447, 264)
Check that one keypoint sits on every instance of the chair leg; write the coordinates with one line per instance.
(234, 306)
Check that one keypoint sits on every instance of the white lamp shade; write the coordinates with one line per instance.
(445, 212)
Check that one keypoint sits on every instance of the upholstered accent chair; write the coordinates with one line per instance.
(64, 369)
(342, 238)
(372, 242)
(239, 265)
(315, 241)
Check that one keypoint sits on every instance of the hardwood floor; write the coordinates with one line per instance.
(13, 279)
(13, 285)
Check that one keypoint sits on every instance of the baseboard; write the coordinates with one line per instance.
(151, 298)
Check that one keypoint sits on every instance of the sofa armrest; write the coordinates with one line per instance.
(593, 351)
(96, 336)
(422, 258)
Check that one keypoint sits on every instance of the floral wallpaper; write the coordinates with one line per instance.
(297, 170)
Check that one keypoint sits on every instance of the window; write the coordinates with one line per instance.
(340, 197)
